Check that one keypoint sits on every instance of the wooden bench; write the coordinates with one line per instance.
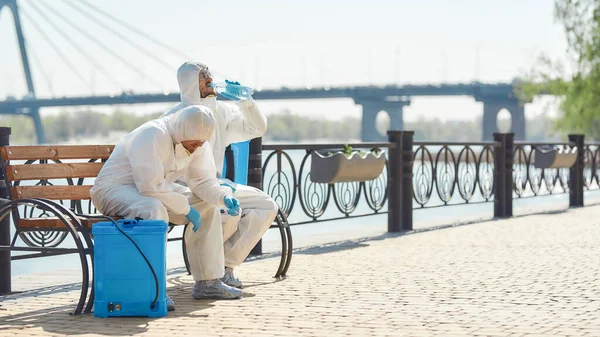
(50, 202)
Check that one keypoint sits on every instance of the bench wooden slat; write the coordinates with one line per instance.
(56, 152)
(52, 171)
(49, 222)
(63, 192)
(54, 222)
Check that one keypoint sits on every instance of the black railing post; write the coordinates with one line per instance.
(255, 177)
(407, 179)
(503, 175)
(395, 182)
(400, 186)
(5, 273)
(576, 172)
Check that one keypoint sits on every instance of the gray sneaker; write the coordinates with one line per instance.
(230, 280)
(215, 289)
(170, 304)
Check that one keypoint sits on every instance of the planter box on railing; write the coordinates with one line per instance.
(554, 157)
(339, 167)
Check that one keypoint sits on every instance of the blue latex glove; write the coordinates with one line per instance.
(194, 218)
(232, 204)
(225, 94)
(233, 98)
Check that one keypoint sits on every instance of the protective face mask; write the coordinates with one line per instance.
(182, 156)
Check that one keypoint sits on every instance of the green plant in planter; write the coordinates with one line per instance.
(333, 168)
(348, 150)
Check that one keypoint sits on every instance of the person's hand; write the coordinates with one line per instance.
(232, 204)
(194, 218)
(226, 95)
(231, 97)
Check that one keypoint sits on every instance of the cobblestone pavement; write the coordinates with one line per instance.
(524, 276)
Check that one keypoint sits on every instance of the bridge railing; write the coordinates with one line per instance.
(420, 175)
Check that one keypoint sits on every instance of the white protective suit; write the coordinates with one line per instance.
(138, 181)
(233, 124)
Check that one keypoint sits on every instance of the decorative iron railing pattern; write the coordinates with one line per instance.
(287, 179)
(452, 173)
(591, 166)
(529, 181)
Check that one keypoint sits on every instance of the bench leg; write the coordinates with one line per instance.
(288, 232)
(72, 228)
(184, 250)
(286, 245)
(87, 236)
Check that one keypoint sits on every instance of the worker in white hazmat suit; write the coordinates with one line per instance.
(137, 181)
(233, 124)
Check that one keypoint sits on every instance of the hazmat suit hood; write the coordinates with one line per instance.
(188, 76)
(149, 160)
(192, 123)
(236, 122)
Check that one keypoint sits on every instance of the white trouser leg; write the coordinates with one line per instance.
(204, 247)
(127, 202)
(258, 213)
(230, 224)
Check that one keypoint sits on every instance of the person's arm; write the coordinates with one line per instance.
(244, 122)
(147, 152)
(201, 177)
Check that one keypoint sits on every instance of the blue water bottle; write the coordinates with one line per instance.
(232, 90)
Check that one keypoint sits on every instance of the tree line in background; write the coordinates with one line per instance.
(285, 126)
(575, 83)
(66, 126)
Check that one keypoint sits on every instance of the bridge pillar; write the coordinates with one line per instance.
(370, 108)
(493, 105)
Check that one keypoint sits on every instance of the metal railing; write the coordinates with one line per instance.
(529, 181)
(446, 171)
(287, 179)
(421, 175)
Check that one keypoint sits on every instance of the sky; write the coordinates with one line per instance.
(273, 44)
